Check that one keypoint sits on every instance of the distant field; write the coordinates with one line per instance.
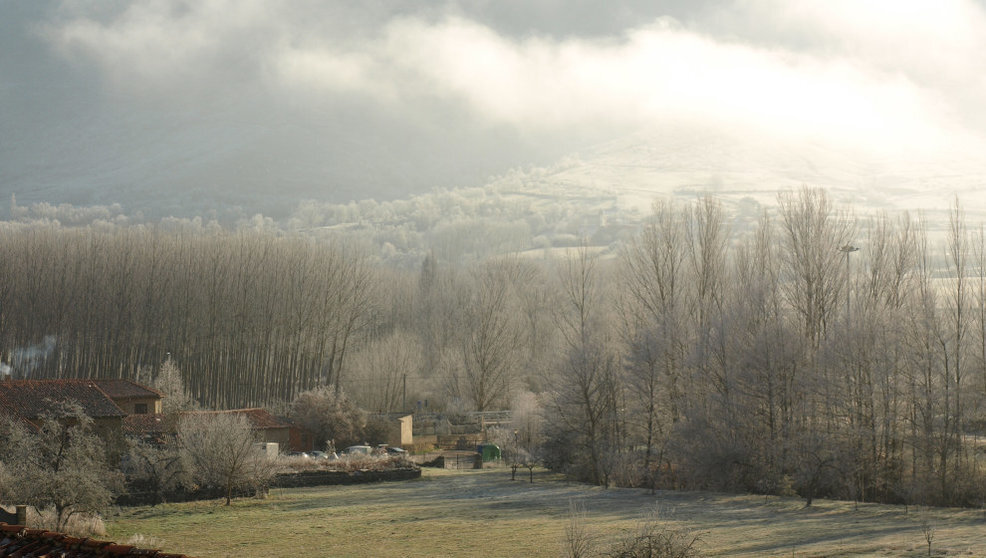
(483, 513)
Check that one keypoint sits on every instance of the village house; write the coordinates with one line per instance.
(29, 400)
(108, 402)
(131, 397)
(124, 408)
(270, 429)
(158, 428)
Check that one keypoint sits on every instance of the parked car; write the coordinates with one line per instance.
(357, 450)
(387, 449)
(300, 454)
(318, 454)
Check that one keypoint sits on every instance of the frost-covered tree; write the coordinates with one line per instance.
(169, 382)
(60, 466)
(330, 416)
(527, 421)
(221, 453)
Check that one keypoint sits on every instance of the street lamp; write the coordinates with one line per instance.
(847, 249)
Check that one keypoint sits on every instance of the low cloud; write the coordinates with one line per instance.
(862, 75)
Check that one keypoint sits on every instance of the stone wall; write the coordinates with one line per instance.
(320, 478)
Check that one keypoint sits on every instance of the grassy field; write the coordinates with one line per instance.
(483, 513)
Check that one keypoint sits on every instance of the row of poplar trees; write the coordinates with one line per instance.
(769, 359)
(250, 316)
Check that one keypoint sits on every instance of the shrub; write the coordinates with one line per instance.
(377, 430)
(220, 451)
(79, 525)
(656, 538)
(331, 417)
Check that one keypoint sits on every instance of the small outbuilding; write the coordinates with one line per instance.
(399, 430)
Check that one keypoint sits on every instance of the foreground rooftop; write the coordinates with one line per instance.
(16, 540)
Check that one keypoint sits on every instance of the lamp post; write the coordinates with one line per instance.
(847, 249)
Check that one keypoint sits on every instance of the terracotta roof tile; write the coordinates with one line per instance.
(31, 398)
(157, 424)
(15, 540)
(123, 389)
(260, 419)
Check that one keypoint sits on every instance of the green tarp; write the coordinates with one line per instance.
(490, 452)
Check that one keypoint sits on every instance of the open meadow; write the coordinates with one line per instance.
(484, 513)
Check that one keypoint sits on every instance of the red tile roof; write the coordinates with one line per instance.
(125, 389)
(29, 399)
(16, 540)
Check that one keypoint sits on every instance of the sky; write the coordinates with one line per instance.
(107, 100)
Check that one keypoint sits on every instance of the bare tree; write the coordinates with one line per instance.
(155, 468)
(587, 388)
(812, 277)
(812, 236)
(928, 414)
(345, 309)
(653, 307)
(222, 453)
(528, 431)
(979, 308)
(872, 352)
(765, 353)
(707, 265)
(654, 278)
(958, 264)
(490, 340)
(380, 370)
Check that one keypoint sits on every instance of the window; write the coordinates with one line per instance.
(140, 408)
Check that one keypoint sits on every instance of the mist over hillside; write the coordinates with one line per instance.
(679, 162)
(601, 196)
(228, 111)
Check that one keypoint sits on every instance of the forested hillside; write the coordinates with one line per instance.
(692, 353)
